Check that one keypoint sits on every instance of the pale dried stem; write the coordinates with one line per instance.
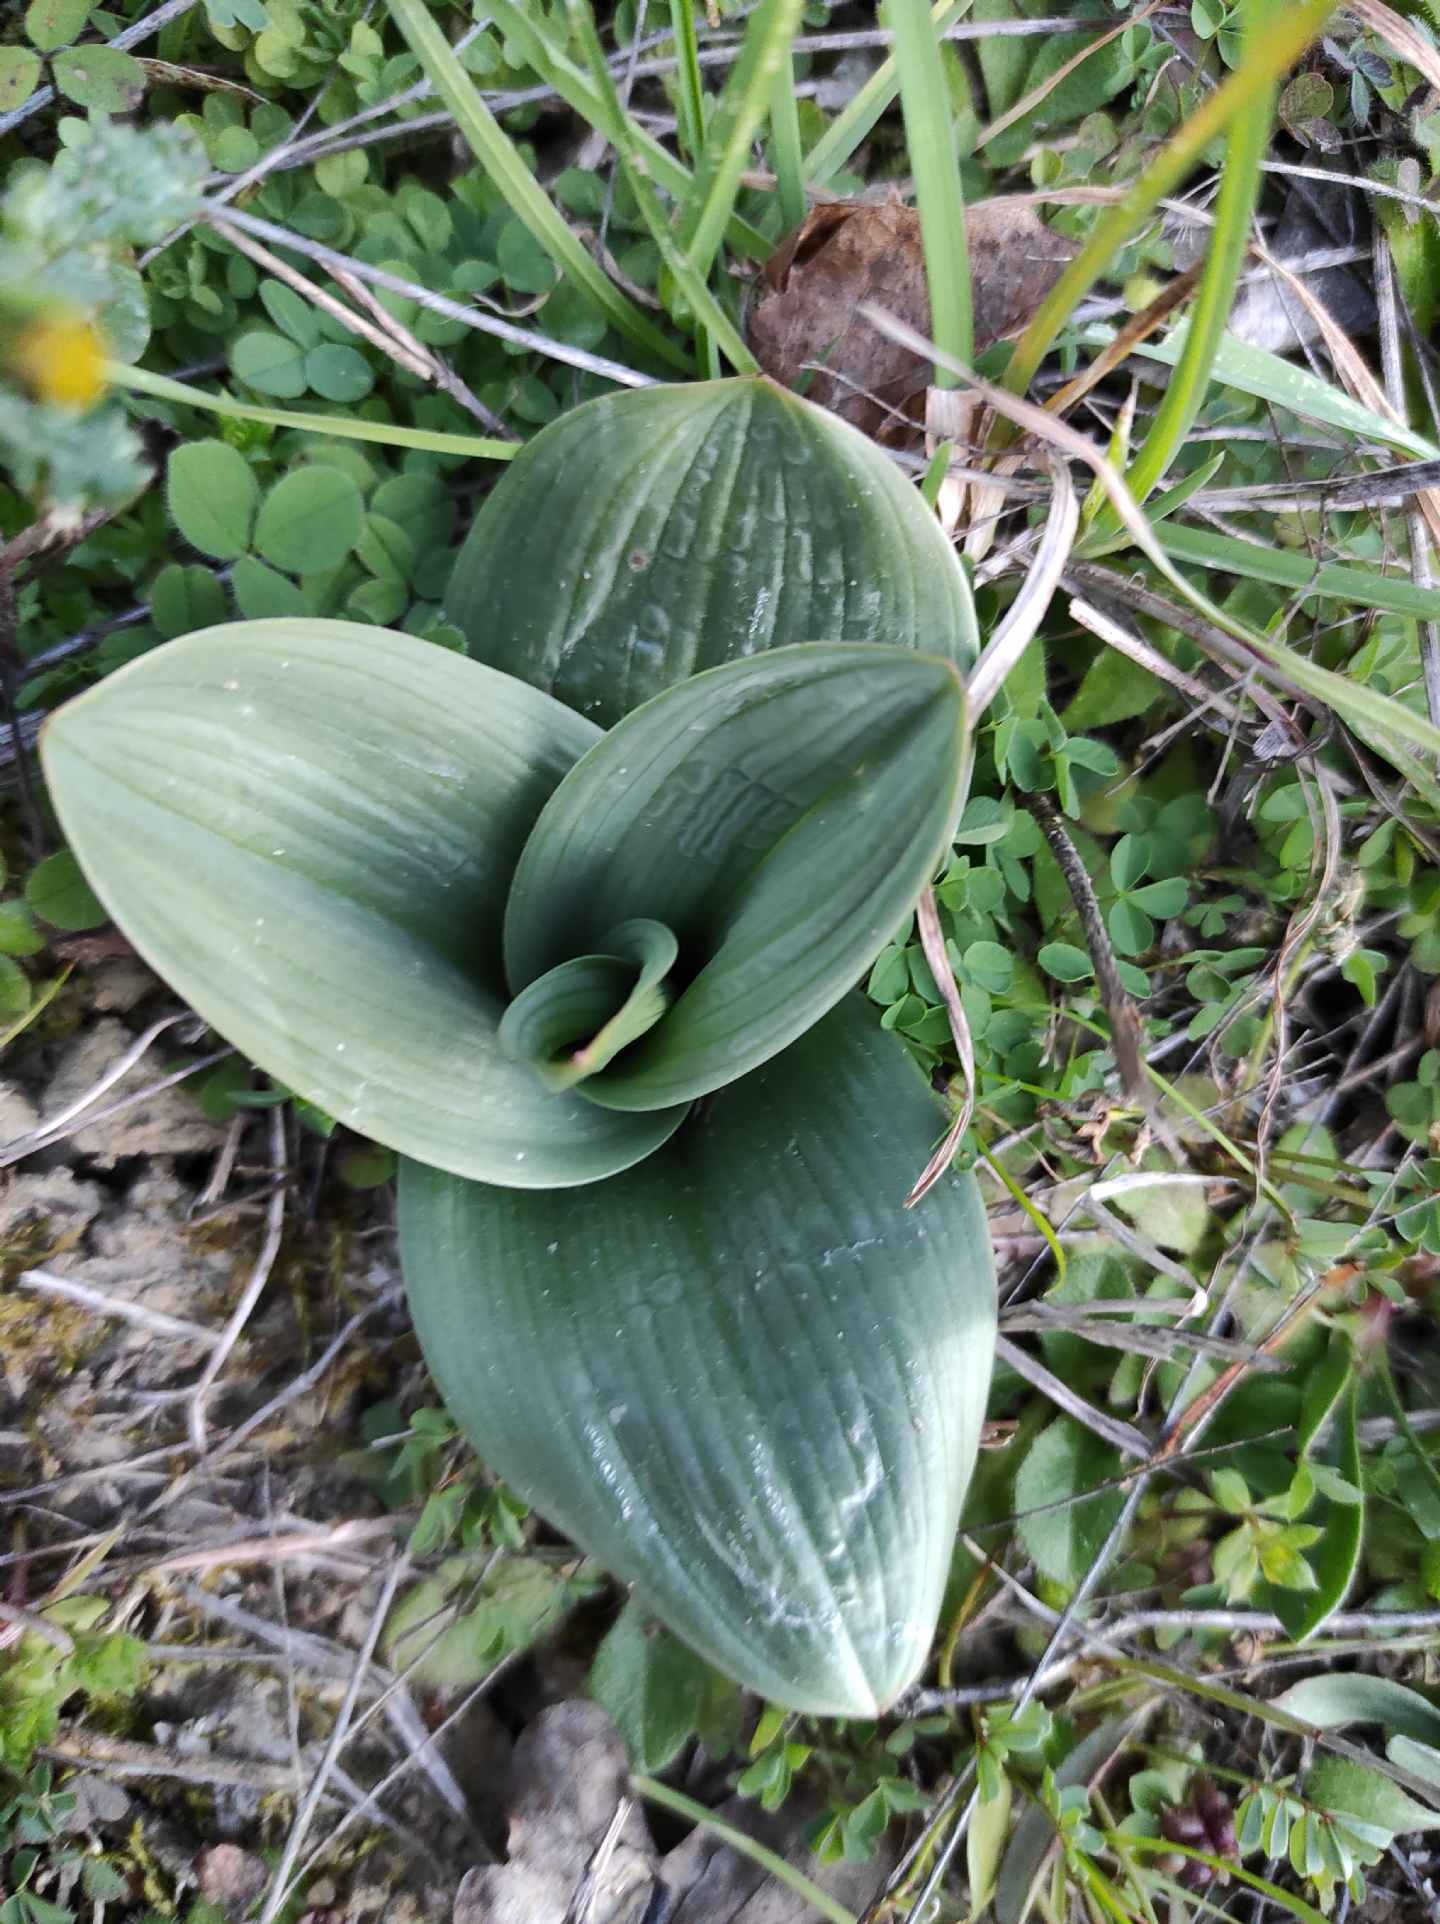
(411, 363)
(932, 941)
(53, 1127)
(250, 1295)
(224, 1168)
(280, 1883)
(285, 1545)
(300, 1385)
(1392, 365)
(18, 1620)
(439, 369)
(1024, 615)
(108, 1304)
(1138, 650)
(425, 297)
(1123, 1436)
(16, 1152)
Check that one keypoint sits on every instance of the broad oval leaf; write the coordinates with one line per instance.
(308, 828)
(651, 534)
(742, 1374)
(1337, 1698)
(781, 815)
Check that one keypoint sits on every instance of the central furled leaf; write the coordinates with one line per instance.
(574, 1020)
(742, 1374)
(780, 815)
(652, 534)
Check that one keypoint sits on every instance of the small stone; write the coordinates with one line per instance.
(230, 1877)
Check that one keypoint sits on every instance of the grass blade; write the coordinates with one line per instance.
(691, 104)
(785, 154)
(733, 125)
(534, 36)
(848, 129)
(931, 142)
(497, 154)
(797, 1881)
(708, 311)
(1229, 240)
(1285, 42)
(1358, 587)
(1256, 371)
(337, 427)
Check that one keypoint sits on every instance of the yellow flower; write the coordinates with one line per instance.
(61, 359)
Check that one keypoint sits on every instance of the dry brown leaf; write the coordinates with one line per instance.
(846, 252)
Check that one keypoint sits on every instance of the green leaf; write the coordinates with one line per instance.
(1065, 962)
(100, 78)
(211, 493)
(1230, 1491)
(1269, 377)
(183, 599)
(573, 1021)
(742, 1374)
(1130, 860)
(1264, 561)
(19, 76)
(711, 810)
(1323, 1388)
(261, 594)
(291, 313)
(50, 24)
(1346, 1789)
(310, 520)
(1064, 1536)
(60, 895)
(271, 363)
(735, 517)
(653, 1687)
(1335, 1699)
(989, 1828)
(139, 380)
(15, 989)
(1033, 1844)
(328, 892)
(18, 933)
(1421, 1760)
(338, 373)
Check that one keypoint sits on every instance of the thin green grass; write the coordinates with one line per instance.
(690, 104)
(1248, 143)
(786, 1874)
(1240, 93)
(734, 123)
(535, 37)
(718, 326)
(496, 153)
(334, 427)
(858, 118)
(929, 136)
(785, 153)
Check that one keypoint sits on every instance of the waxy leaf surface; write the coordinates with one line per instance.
(651, 534)
(741, 1374)
(309, 829)
(780, 815)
